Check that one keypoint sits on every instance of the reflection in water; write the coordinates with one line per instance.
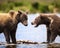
(32, 46)
(11, 46)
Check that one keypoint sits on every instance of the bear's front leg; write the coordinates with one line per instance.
(48, 35)
(13, 35)
(7, 36)
(53, 36)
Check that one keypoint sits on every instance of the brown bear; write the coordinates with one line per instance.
(52, 22)
(9, 22)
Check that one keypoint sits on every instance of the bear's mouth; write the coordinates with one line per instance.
(35, 25)
(25, 23)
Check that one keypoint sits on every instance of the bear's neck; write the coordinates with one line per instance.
(15, 21)
(47, 24)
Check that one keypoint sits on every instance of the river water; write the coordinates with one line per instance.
(30, 33)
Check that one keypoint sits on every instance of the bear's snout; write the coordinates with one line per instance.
(25, 24)
(32, 23)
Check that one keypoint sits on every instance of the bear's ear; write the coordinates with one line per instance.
(11, 12)
(19, 11)
(41, 16)
(26, 11)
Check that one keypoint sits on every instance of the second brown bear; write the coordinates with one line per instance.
(52, 23)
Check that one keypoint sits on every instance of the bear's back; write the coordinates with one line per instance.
(4, 18)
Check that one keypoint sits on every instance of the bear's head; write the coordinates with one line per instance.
(22, 17)
(42, 19)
